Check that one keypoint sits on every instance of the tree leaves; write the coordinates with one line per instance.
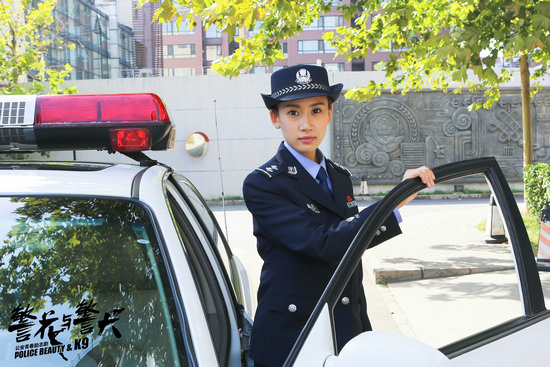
(27, 33)
(433, 43)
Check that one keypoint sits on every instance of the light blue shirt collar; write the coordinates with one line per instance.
(310, 166)
(313, 168)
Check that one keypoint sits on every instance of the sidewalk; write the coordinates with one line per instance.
(439, 239)
(411, 281)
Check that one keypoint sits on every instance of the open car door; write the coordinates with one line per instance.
(517, 341)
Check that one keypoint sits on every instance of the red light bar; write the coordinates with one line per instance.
(107, 108)
(120, 122)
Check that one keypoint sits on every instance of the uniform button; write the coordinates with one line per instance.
(345, 301)
(383, 228)
(378, 233)
(292, 308)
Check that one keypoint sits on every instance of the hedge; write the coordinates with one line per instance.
(536, 178)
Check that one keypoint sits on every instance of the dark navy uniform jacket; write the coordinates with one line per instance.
(302, 234)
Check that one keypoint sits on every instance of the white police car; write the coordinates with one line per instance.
(103, 264)
(125, 265)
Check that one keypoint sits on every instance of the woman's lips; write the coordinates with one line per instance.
(307, 139)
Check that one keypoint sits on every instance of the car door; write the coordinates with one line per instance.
(516, 341)
(220, 276)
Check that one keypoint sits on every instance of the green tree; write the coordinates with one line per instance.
(27, 31)
(439, 44)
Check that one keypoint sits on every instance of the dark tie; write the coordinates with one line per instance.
(323, 181)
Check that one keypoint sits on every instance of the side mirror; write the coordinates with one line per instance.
(381, 349)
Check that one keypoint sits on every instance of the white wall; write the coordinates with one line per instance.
(244, 132)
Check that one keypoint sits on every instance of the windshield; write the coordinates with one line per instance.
(82, 283)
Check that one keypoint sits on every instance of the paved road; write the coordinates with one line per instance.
(438, 236)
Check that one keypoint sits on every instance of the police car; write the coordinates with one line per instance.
(107, 264)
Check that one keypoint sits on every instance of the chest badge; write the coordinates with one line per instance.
(351, 203)
(313, 208)
(292, 170)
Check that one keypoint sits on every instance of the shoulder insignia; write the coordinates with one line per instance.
(341, 168)
(269, 170)
(264, 172)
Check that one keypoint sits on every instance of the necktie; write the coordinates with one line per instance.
(322, 177)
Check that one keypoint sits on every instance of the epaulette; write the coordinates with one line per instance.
(340, 168)
(270, 169)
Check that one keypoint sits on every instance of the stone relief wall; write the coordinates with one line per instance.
(378, 140)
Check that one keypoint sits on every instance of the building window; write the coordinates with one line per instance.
(213, 32)
(284, 48)
(315, 47)
(328, 48)
(180, 72)
(326, 22)
(171, 28)
(332, 21)
(178, 51)
(213, 52)
(310, 47)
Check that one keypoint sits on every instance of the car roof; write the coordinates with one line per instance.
(68, 178)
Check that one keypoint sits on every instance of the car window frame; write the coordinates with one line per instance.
(232, 277)
(207, 261)
(526, 268)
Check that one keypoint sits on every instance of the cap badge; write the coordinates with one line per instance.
(303, 77)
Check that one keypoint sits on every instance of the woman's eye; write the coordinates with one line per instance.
(317, 110)
(293, 113)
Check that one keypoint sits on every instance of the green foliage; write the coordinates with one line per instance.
(532, 225)
(536, 179)
(26, 34)
(438, 44)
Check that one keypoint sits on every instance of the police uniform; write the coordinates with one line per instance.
(302, 233)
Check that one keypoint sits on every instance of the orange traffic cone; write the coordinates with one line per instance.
(543, 253)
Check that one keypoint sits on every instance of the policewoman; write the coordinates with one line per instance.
(304, 217)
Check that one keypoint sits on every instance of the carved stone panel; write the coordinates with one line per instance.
(378, 140)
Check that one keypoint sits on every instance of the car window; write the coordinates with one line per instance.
(83, 283)
(209, 225)
(447, 287)
(206, 278)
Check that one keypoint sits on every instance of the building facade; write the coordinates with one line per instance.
(148, 41)
(192, 50)
(94, 43)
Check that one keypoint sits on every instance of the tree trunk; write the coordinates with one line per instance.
(526, 116)
(526, 111)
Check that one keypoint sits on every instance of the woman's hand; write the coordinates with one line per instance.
(425, 174)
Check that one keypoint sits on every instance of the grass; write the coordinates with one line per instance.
(532, 224)
(227, 198)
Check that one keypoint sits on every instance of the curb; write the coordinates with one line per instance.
(384, 276)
